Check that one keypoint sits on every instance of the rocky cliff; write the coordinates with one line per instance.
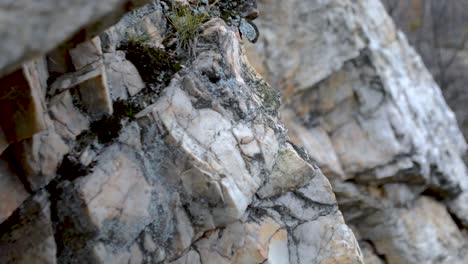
(141, 145)
(438, 30)
(360, 101)
(150, 138)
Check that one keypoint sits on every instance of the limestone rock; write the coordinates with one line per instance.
(184, 176)
(424, 232)
(21, 105)
(459, 208)
(38, 72)
(30, 238)
(146, 24)
(325, 241)
(122, 76)
(12, 192)
(245, 243)
(72, 79)
(283, 230)
(29, 28)
(370, 257)
(374, 101)
(68, 121)
(117, 200)
(86, 53)
(289, 171)
(40, 156)
(40, 171)
(90, 81)
(361, 102)
(94, 92)
(95, 95)
(306, 35)
(317, 143)
(207, 174)
(192, 257)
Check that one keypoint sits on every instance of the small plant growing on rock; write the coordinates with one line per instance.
(142, 38)
(186, 23)
(108, 127)
(124, 109)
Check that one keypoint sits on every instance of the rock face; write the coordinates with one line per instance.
(22, 105)
(134, 149)
(31, 237)
(30, 28)
(193, 167)
(360, 101)
(13, 192)
(437, 29)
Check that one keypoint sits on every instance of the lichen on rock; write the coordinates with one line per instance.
(153, 154)
(157, 141)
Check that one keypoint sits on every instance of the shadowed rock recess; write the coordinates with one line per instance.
(153, 139)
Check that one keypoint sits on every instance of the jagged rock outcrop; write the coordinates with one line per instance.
(360, 101)
(134, 145)
(147, 161)
(31, 28)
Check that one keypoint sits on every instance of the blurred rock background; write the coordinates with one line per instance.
(439, 32)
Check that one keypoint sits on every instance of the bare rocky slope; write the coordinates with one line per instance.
(360, 101)
(134, 143)
(120, 151)
(439, 32)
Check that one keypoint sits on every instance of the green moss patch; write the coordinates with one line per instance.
(124, 109)
(108, 127)
(155, 65)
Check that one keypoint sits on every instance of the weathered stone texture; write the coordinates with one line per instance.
(30, 28)
(28, 236)
(12, 191)
(199, 169)
(39, 157)
(204, 174)
(360, 101)
(123, 78)
(21, 105)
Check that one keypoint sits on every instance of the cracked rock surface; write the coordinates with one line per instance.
(362, 104)
(198, 170)
(30, 28)
(119, 146)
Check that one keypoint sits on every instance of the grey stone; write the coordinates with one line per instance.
(181, 183)
(361, 102)
(122, 76)
(12, 193)
(30, 28)
(68, 120)
(373, 104)
(30, 238)
(146, 23)
(290, 172)
(94, 92)
(459, 208)
(424, 232)
(40, 156)
(86, 53)
(21, 104)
